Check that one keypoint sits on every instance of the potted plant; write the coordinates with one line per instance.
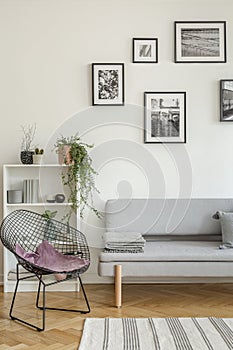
(49, 227)
(38, 155)
(26, 146)
(78, 175)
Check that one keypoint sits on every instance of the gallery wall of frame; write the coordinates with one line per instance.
(165, 111)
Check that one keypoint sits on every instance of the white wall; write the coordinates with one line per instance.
(47, 47)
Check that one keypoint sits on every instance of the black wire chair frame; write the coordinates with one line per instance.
(29, 229)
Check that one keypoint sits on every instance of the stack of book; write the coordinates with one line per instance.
(31, 191)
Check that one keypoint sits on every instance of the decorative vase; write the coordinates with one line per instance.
(26, 157)
(59, 198)
(14, 196)
(37, 158)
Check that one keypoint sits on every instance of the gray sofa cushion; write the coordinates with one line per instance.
(226, 220)
(165, 216)
(173, 251)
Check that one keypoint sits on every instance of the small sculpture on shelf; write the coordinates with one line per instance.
(60, 198)
(55, 198)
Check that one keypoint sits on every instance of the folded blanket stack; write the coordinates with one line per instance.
(124, 242)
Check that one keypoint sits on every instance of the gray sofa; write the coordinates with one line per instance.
(182, 239)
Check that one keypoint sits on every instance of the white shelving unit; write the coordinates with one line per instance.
(49, 176)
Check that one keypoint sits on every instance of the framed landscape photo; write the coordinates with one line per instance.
(226, 100)
(145, 50)
(200, 42)
(107, 84)
(164, 117)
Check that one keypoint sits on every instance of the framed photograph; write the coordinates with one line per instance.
(165, 117)
(145, 50)
(200, 42)
(226, 100)
(107, 84)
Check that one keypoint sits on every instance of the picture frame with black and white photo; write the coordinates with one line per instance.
(200, 42)
(145, 50)
(226, 100)
(164, 117)
(108, 84)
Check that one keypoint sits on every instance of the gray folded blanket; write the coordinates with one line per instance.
(124, 242)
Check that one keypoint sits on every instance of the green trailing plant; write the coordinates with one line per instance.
(78, 175)
(50, 229)
(48, 214)
(39, 151)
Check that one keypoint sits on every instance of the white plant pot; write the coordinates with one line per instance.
(37, 158)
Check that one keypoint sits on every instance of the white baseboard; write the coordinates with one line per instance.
(91, 278)
(67, 286)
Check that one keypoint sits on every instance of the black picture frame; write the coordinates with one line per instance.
(108, 84)
(226, 100)
(165, 117)
(200, 42)
(145, 50)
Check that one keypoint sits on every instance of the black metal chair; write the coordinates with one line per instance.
(29, 229)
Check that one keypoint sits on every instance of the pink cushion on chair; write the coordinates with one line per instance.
(48, 257)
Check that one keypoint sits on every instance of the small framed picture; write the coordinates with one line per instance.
(145, 50)
(165, 117)
(200, 42)
(107, 84)
(226, 100)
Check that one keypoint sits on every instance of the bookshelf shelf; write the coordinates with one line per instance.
(42, 204)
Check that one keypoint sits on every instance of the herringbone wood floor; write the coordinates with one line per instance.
(64, 329)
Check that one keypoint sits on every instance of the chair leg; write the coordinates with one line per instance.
(13, 300)
(61, 309)
(19, 319)
(38, 294)
(85, 296)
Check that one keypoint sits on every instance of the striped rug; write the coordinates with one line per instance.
(157, 334)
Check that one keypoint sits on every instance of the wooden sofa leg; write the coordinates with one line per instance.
(118, 286)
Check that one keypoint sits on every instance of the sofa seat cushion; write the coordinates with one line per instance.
(174, 251)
